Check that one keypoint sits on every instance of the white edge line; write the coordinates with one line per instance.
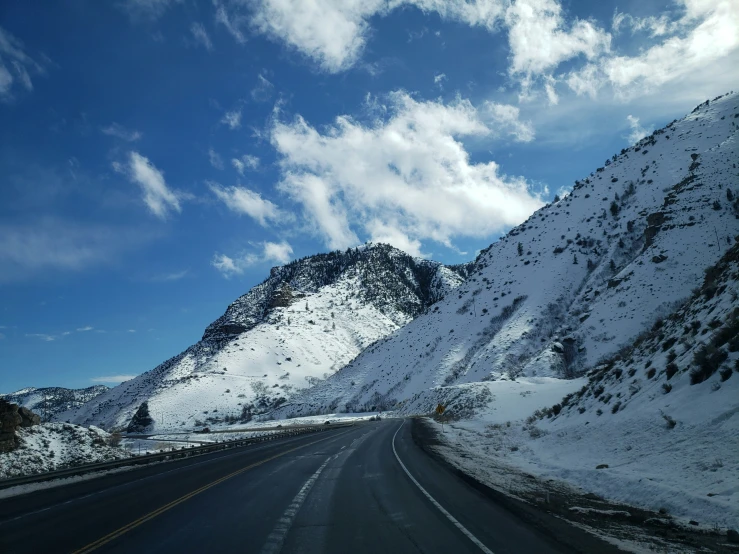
(449, 516)
(276, 538)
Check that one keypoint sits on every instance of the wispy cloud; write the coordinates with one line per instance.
(43, 336)
(244, 201)
(233, 21)
(21, 65)
(85, 329)
(201, 36)
(158, 197)
(245, 162)
(113, 378)
(132, 330)
(232, 119)
(40, 247)
(175, 276)
(271, 252)
(262, 91)
(215, 159)
(118, 131)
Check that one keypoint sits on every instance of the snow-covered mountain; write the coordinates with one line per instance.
(655, 425)
(49, 401)
(575, 283)
(301, 325)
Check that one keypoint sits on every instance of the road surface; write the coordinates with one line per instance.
(363, 489)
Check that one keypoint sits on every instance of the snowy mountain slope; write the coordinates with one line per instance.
(662, 414)
(49, 401)
(302, 324)
(52, 446)
(574, 283)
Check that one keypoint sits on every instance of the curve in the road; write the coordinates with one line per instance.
(449, 516)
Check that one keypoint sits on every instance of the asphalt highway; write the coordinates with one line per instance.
(363, 489)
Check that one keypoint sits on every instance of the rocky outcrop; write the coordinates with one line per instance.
(11, 418)
(28, 418)
(654, 225)
(141, 420)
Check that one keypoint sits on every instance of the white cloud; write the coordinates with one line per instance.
(157, 196)
(262, 91)
(245, 162)
(713, 38)
(439, 79)
(244, 201)
(132, 330)
(540, 39)
(226, 265)
(215, 159)
(118, 131)
(84, 329)
(334, 33)
(637, 131)
(232, 119)
(706, 36)
(201, 36)
(279, 252)
(505, 118)
(271, 252)
(115, 379)
(405, 178)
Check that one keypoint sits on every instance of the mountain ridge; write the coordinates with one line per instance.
(312, 315)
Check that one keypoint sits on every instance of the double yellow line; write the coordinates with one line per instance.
(151, 515)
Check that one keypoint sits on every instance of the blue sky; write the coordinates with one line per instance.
(157, 157)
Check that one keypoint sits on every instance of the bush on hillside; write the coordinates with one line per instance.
(707, 359)
(670, 370)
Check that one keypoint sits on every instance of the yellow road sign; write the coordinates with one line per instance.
(440, 409)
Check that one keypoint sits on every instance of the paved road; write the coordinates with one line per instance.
(368, 488)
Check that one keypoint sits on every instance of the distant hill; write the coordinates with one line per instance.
(306, 321)
(50, 401)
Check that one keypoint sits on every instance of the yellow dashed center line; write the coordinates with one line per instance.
(151, 515)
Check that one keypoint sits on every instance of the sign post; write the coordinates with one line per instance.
(440, 408)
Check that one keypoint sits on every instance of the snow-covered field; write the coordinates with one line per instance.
(52, 446)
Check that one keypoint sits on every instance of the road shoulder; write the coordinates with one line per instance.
(581, 521)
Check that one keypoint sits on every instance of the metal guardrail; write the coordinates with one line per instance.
(184, 452)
